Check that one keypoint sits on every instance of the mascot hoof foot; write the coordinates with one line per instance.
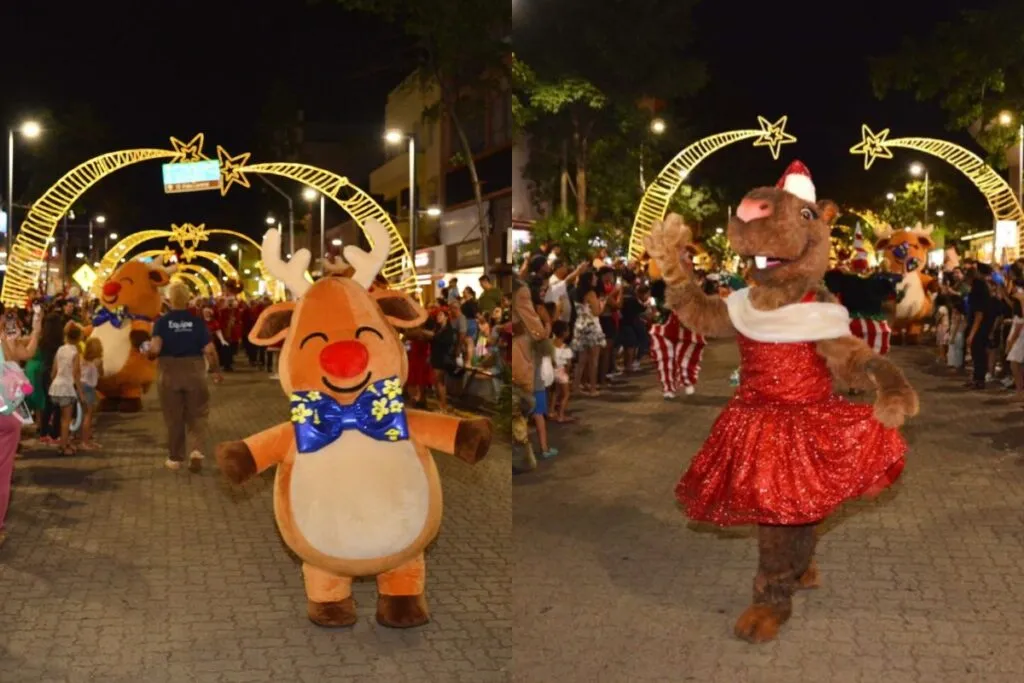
(332, 614)
(810, 578)
(402, 611)
(130, 405)
(473, 440)
(758, 624)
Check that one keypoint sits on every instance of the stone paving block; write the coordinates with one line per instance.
(612, 583)
(116, 569)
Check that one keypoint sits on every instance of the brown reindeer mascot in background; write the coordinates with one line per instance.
(786, 450)
(357, 491)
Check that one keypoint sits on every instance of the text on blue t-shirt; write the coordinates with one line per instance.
(183, 334)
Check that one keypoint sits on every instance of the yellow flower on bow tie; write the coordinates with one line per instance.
(380, 408)
(392, 388)
(397, 406)
(392, 434)
(300, 413)
(313, 396)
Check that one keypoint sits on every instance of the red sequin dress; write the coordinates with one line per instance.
(786, 449)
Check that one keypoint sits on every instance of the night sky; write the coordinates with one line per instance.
(191, 67)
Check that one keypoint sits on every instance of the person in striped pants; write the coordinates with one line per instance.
(677, 350)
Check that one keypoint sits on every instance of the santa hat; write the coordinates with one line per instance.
(860, 254)
(797, 181)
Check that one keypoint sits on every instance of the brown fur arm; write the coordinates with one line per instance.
(466, 439)
(241, 460)
(854, 363)
(705, 315)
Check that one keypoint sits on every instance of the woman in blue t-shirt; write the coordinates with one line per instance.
(180, 342)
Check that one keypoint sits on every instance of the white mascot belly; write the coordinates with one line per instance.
(359, 498)
(117, 346)
(911, 296)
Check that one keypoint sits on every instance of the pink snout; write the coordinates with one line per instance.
(753, 209)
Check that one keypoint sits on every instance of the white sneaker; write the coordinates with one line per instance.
(172, 464)
(689, 390)
(989, 377)
(669, 395)
(635, 367)
(274, 376)
(195, 461)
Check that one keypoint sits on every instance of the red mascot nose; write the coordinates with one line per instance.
(111, 288)
(344, 359)
(752, 209)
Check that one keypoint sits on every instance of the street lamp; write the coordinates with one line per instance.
(890, 196)
(79, 255)
(270, 220)
(336, 242)
(395, 137)
(234, 247)
(434, 212)
(940, 213)
(309, 194)
(917, 169)
(1005, 118)
(658, 126)
(29, 130)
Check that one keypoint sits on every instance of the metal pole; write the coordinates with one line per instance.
(291, 227)
(92, 255)
(414, 218)
(1020, 164)
(10, 195)
(323, 237)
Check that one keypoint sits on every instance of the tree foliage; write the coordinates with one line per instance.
(973, 68)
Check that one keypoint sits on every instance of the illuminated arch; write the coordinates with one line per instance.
(654, 204)
(1000, 196)
(44, 215)
(211, 280)
(197, 283)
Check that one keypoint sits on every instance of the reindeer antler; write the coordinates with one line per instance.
(368, 264)
(169, 268)
(292, 273)
(336, 266)
(883, 231)
(924, 230)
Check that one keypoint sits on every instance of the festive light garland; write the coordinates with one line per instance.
(654, 204)
(33, 237)
(1000, 196)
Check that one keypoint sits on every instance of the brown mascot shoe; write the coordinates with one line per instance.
(332, 614)
(758, 624)
(402, 611)
(130, 405)
(810, 578)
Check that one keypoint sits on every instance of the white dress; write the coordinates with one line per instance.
(1016, 354)
(63, 384)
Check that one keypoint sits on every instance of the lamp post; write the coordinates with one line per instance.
(291, 212)
(395, 137)
(238, 250)
(98, 220)
(309, 194)
(917, 169)
(30, 130)
(657, 127)
(1005, 119)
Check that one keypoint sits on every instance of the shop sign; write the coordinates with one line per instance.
(469, 254)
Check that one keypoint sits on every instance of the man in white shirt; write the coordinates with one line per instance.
(558, 284)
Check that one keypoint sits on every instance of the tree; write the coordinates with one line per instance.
(906, 209)
(974, 69)
(462, 49)
(578, 86)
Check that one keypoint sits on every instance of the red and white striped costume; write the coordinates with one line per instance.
(875, 333)
(677, 352)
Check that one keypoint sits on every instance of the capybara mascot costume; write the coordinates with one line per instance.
(786, 450)
(357, 491)
(131, 303)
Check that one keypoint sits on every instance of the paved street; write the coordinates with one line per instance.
(120, 571)
(613, 584)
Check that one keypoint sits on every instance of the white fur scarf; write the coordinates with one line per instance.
(793, 323)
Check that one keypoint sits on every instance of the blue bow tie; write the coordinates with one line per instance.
(115, 318)
(379, 413)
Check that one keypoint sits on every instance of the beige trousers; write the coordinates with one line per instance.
(185, 399)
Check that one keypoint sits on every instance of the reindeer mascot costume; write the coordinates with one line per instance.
(357, 491)
(131, 304)
(905, 253)
(786, 451)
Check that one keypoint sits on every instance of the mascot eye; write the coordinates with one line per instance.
(807, 214)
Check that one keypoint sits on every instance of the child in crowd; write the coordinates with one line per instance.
(942, 324)
(957, 334)
(92, 370)
(65, 384)
(563, 362)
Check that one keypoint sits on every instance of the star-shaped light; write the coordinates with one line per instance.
(188, 254)
(185, 152)
(187, 233)
(872, 146)
(773, 135)
(231, 169)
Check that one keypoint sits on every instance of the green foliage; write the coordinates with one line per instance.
(570, 94)
(906, 209)
(973, 68)
(696, 204)
(578, 242)
(717, 246)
